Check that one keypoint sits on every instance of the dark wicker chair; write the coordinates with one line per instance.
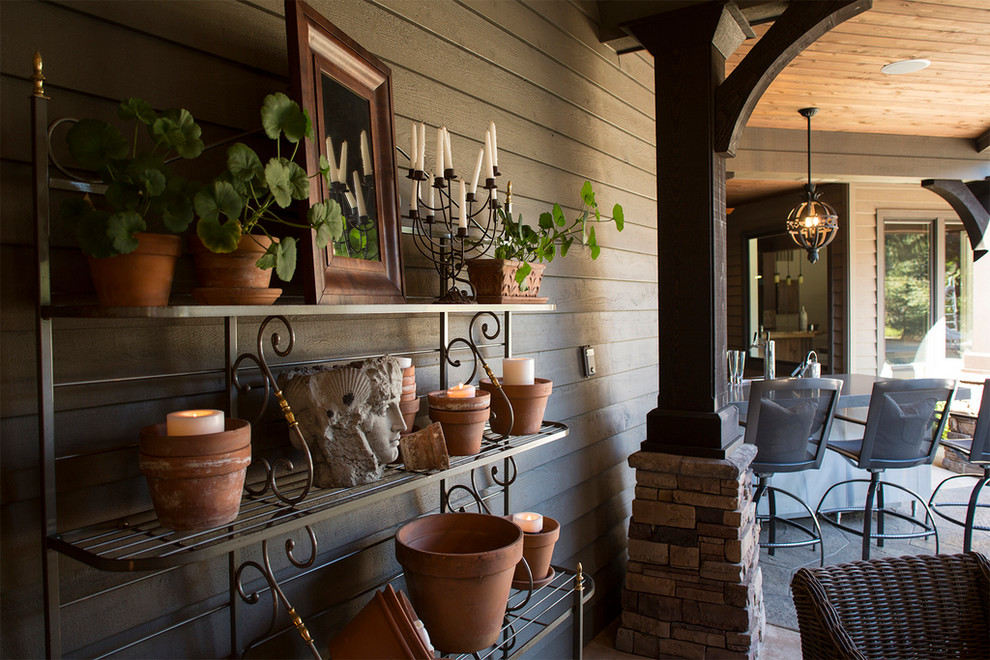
(899, 607)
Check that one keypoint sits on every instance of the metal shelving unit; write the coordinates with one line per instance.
(139, 543)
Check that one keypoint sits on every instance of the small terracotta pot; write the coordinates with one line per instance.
(409, 372)
(196, 481)
(440, 401)
(463, 430)
(142, 278)
(458, 568)
(537, 551)
(529, 402)
(409, 410)
(232, 278)
(494, 280)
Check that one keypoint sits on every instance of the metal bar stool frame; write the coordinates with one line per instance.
(977, 451)
(764, 469)
(866, 460)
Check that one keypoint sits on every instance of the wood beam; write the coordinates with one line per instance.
(982, 141)
(971, 202)
(798, 27)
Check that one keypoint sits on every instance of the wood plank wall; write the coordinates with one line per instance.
(867, 199)
(567, 109)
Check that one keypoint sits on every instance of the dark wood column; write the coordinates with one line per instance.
(692, 418)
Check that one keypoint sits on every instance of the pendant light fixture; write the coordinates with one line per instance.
(813, 223)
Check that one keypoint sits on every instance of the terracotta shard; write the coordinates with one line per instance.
(425, 449)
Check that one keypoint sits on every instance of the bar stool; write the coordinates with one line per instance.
(789, 419)
(976, 450)
(903, 426)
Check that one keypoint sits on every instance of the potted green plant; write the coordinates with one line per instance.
(131, 262)
(522, 251)
(237, 209)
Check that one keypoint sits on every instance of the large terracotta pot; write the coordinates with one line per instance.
(458, 568)
(382, 629)
(196, 480)
(142, 278)
(529, 402)
(494, 281)
(233, 278)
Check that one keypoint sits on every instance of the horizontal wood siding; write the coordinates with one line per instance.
(868, 199)
(567, 109)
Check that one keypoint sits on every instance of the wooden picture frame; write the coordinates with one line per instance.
(345, 89)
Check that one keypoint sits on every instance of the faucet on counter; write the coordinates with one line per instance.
(762, 340)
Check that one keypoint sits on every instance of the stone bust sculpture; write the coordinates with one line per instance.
(350, 418)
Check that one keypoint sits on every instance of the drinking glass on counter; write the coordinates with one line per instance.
(737, 363)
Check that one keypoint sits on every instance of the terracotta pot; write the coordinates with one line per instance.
(142, 278)
(409, 410)
(409, 372)
(380, 630)
(439, 400)
(529, 402)
(196, 481)
(458, 568)
(463, 430)
(233, 278)
(494, 281)
(537, 551)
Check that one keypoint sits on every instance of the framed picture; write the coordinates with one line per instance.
(347, 92)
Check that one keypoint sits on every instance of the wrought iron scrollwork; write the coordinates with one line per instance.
(510, 475)
(282, 465)
(278, 597)
(477, 357)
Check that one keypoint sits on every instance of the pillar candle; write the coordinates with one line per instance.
(414, 147)
(194, 422)
(331, 159)
(477, 171)
(463, 218)
(518, 371)
(362, 211)
(365, 154)
(448, 158)
(422, 146)
(461, 391)
(491, 128)
(439, 162)
(531, 523)
(489, 168)
(342, 165)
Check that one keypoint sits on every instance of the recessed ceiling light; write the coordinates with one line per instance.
(905, 66)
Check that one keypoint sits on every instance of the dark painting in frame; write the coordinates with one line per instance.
(344, 88)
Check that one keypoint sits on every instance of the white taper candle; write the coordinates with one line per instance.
(342, 164)
(448, 158)
(332, 159)
(362, 211)
(365, 154)
(463, 218)
(477, 171)
(491, 127)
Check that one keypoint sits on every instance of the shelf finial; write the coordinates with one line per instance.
(38, 77)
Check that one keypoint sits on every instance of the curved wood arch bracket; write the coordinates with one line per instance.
(797, 28)
(971, 202)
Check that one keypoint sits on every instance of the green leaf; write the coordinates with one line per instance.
(218, 237)
(546, 221)
(285, 258)
(558, 215)
(278, 176)
(269, 258)
(153, 182)
(138, 109)
(91, 233)
(177, 129)
(94, 143)
(244, 164)
(521, 274)
(216, 199)
(176, 210)
(280, 114)
(123, 196)
(587, 194)
(74, 209)
(619, 217)
(326, 218)
(298, 181)
(565, 245)
(121, 228)
(593, 243)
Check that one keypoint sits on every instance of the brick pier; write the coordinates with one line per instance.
(694, 588)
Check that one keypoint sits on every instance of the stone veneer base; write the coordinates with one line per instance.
(694, 588)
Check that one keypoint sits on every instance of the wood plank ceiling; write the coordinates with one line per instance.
(840, 74)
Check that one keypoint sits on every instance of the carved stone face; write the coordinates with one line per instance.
(350, 418)
(384, 421)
